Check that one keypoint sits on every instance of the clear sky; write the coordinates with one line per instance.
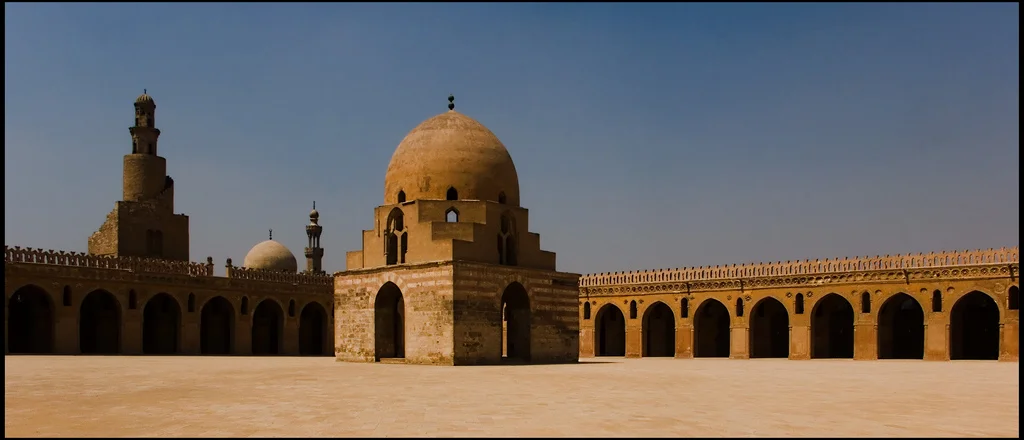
(645, 135)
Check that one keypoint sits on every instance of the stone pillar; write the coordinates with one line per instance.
(634, 338)
(865, 341)
(800, 341)
(65, 330)
(243, 335)
(587, 339)
(131, 332)
(290, 345)
(1009, 340)
(936, 337)
(684, 340)
(190, 326)
(739, 341)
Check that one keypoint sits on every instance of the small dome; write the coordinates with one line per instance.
(271, 255)
(144, 98)
(314, 213)
(451, 150)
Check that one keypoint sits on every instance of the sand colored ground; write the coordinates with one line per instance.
(295, 397)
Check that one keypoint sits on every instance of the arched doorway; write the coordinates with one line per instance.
(711, 327)
(99, 324)
(267, 328)
(389, 323)
(832, 328)
(161, 321)
(515, 306)
(216, 326)
(312, 330)
(974, 328)
(659, 331)
(30, 321)
(901, 328)
(769, 329)
(610, 331)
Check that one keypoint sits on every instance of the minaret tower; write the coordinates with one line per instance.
(314, 253)
(145, 173)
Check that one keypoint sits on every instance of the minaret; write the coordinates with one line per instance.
(145, 173)
(314, 253)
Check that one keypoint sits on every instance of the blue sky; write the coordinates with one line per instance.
(645, 135)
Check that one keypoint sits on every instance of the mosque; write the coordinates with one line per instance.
(450, 274)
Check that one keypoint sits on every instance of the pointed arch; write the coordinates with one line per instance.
(507, 240)
(832, 327)
(517, 323)
(610, 331)
(389, 322)
(900, 328)
(865, 302)
(395, 239)
(739, 307)
(586, 310)
(936, 301)
(401, 196)
(632, 309)
(501, 198)
(658, 329)
(267, 328)
(769, 329)
(217, 326)
(684, 308)
(161, 325)
(313, 330)
(31, 321)
(99, 323)
(451, 215)
(974, 327)
(712, 329)
(452, 193)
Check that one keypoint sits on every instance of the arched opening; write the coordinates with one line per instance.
(161, 321)
(30, 321)
(507, 245)
(632, 310)
(451, 215)
(659, 331)
(937, 301)
(267, 328)
(501, 198)
(586, 310)
(684, 308)
(832, 328)
(216, 327)
(395, 240)
(769, 329)
(389, 323)
(711, 328)
(291, 308)
(610, 331)
(66, 296)
(739, 307)
(798, 304)
(901, 328)
(515, 304)
(312, 330)
(1013, 298)
(974, 328)
(401, 197)
(865, 302)
(452, 194)
(99, 324)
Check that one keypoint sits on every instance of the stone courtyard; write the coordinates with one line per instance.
(118, 396)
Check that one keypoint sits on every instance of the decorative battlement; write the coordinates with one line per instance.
(18, 254)
(243, 273)
(834, 265)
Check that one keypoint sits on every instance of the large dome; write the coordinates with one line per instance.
(451, 150)
(271, 255)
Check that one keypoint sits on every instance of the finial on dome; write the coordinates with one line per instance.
(314, 204)
(271, 234)
(144, 92)
(451, 102)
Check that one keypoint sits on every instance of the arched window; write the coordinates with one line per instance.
(245, 305)
(1013, 298)
(937, 301)
(507, 245)
(684, 308)
(586, 310)
(401, 197)
(799, 306)
(395, 239)
(191, 303)
(452, 194)
(865, 302)
(632, 310)
(451, 215)
(135, 146)
(133, 300)
(501, 197)
(739, 307)
(67, 296)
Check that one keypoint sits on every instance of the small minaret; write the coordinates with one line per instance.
(314, 253)
(145, 172)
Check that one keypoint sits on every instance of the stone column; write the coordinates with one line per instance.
(1009, 340)
(290, 345)
(587, 339)
(684, 340)
(936, 336)
(131, 332)
(65, 330)
(190, 323)
(800, 341)
(865, 340)
(243, 335)
(634, 338)
(739, 341)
